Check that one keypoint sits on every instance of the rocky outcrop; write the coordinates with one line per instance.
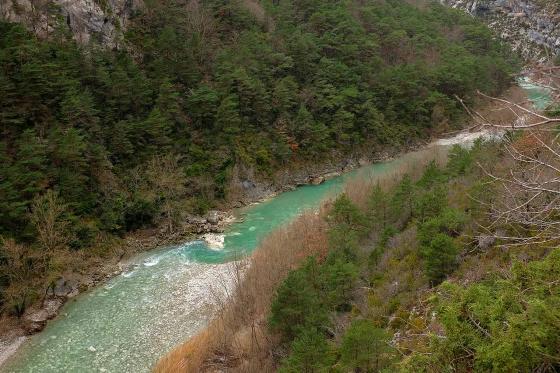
(35, 320)
(64, 288)
(97, 21)
(213, 222)
(532, 29)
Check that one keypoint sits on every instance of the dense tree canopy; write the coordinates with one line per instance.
(201, 88)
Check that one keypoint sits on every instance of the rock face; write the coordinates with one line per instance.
(532, 29)
(98, 21)
(35, 320)
(65, 288)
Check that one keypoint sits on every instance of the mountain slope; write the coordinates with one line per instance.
(199, 103)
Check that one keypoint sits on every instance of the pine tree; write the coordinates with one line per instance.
(365, 348)
(310, 353)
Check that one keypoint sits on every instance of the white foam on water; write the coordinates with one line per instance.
(152, 262)
(124, 274)
(466, 138)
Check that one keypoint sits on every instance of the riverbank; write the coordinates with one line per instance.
(98, 271)
(238, 338)
(194, 227)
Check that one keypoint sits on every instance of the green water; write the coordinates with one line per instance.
(127, 324)
(169, 294)
(539, 96)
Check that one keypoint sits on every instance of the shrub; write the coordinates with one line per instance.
(310, 353)
(440, 257)
(365, 348)
(505, 324)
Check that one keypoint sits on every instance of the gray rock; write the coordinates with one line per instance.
(65, 287)
(316, 180)
(51, 306)
(196, 220)
(247, 184)
(35, 320)
(37, 316)
(531, 28)
(87, 20)
(213, 217)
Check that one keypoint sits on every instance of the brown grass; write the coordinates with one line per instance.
(238, 335)
(238, 339)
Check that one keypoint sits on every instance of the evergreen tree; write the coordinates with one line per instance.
(310, 353)
(298, 305)
(365, 348)
(440, 257)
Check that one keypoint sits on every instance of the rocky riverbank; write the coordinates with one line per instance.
(251, 189)
(15, 331)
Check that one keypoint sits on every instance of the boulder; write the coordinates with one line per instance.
(213, 217)
(316, 180)
(65, 288)
(196, 220)
(35, 320)
(247, 184)
(51, 306)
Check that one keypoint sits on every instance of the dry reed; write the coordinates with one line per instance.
(238, 339)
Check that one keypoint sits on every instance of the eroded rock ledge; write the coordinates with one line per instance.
(532, 28)
(100, 21)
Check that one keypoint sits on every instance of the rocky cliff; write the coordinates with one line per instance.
(531, 27)
(101, 21)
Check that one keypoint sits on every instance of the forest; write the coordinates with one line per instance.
(97, 143)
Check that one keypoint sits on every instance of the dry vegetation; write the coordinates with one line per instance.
(239, 338)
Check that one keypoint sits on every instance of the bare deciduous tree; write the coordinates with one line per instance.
(526, 206)
(527, 203)
(47, 217)
(165, 181)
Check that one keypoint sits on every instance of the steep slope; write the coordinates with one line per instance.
(205, 105)
(98, 21)
(531, 27)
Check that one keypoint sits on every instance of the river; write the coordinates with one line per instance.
(128, 323)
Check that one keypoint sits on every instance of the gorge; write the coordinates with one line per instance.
(125, 119)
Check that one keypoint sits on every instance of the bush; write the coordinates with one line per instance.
(365, 348)
(310, 353)
(139, 213)
(505, 324)
(440, 257)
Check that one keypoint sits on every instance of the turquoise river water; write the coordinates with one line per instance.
(169, 294)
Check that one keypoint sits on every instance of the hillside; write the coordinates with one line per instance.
(443, 266)
(199, 105)
(530, 27)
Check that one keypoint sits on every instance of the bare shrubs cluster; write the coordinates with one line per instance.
(525, 207)
(239, 338)
(240, 329)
